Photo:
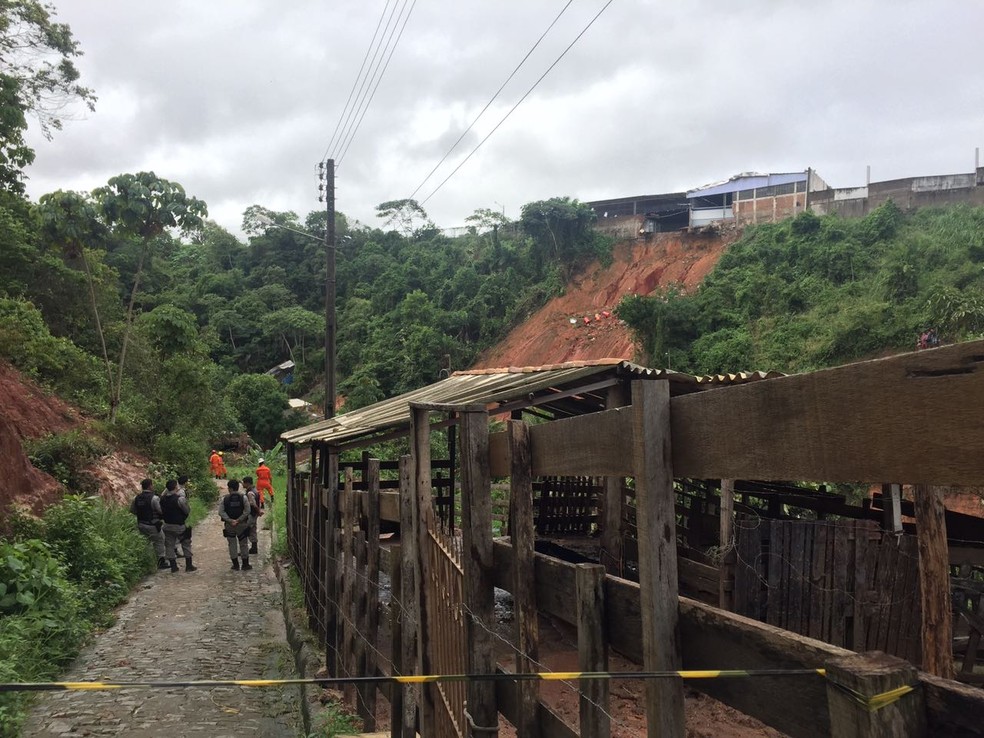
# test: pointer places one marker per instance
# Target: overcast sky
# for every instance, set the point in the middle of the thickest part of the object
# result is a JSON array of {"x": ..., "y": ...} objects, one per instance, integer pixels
[{"x": 238, "y": 99}]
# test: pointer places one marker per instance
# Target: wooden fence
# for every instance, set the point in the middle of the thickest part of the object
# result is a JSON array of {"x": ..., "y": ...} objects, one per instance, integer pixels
[{"x": 835, "y": 440}]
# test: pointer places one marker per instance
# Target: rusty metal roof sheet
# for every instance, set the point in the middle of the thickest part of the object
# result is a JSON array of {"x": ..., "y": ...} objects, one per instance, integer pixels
[{"x": 560, "y": 387}]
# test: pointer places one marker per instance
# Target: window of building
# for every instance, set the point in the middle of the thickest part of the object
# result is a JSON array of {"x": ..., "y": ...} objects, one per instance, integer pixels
[{"x": 785, "y": 189}]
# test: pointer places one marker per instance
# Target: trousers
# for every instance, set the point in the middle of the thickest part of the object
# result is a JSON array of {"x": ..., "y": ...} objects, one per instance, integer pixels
[
  {"x": 174, "y": 534},
  {"x": 153, "y": 535}
]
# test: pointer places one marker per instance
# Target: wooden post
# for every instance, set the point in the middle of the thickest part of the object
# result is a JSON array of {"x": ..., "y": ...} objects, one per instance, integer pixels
[
  {"x": 892, "y": 508},
  {"x": 360, "y": 612},
  {"x": 726, "y": 544},
  {"x": 855, "y": 679},
  {"x": 611, "y": 504},
  {"x": 396, "y": 640},
  {"x": 592, "y": 651},
  {"x": 423, "y": 515},
  {"x": 331, "y": 568},
  {"x": 368, "y": 697},
  {"x": 348, "y": 581},
  {"x": 524, "y": 578},
  {"x": 476, "y": 532},
  {"x": 410, "y": 603},
  {"x": 652, "y": 460},
  {"x": 934, "y": 581}
]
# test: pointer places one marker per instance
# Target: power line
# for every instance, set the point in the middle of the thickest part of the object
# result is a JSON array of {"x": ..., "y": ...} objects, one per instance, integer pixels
[
  {"x": 513, "y": 108},
  {"x": 491, "y": 100},
  {"x": 355, "y": 82},
  {"x": 379, "y": 79}
]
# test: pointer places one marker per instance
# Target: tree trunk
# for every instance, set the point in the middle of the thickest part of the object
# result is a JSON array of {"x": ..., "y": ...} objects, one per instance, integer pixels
[{"x": 114, "y": 404}]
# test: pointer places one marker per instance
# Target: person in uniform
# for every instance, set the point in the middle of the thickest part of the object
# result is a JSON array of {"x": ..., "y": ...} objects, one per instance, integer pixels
[
  {"x": 264, "y": 482},
  {"x": 234, "y": 511},
  {"x": 147, "y": 507},
  {"x": 218, "y": 466},
  {"x": 175, "y": 510},
  {"x": 255, "y": 512}
]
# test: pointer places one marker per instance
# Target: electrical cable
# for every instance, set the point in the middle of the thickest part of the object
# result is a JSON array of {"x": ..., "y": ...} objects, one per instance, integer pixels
[
  {"x": 355, "y": 82},
  {"x": 491, "y": 100},
  {"x": 366, "y": 82},
  {"x": 378, "y": 79},
  {"x": 519, "y": 102}
]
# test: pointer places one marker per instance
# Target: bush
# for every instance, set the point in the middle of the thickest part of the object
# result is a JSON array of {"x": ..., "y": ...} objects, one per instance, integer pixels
[{"x": 65, "y": 456}]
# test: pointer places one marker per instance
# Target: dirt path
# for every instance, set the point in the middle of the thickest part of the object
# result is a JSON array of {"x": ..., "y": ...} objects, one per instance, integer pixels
[{"x": 210, "y": 624}]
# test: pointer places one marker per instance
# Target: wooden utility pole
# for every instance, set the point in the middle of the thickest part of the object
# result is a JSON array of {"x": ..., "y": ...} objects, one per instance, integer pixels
[
  {"x": 934, "y": 581},
  {"x": 330, "y": 391}
]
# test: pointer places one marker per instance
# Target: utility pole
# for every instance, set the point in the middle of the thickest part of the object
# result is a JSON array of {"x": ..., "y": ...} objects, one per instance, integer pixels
[{"x": 328, "y": 172}]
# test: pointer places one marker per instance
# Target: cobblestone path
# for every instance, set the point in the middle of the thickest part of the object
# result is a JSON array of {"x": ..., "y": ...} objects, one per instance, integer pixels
[{"x": 214, "y": 623}]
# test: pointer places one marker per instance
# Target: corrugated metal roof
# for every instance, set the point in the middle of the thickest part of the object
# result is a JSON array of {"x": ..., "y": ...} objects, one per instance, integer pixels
[
  {"x": 746, "y": 182},
  {"x": 530, "y": 385}
]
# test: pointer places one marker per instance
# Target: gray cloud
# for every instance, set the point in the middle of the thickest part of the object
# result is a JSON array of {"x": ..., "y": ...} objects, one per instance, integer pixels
[{"x": 237, "y": 99}]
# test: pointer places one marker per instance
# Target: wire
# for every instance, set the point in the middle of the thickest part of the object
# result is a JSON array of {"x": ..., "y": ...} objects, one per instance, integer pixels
[
  {"x": 360, "y": 94},
  {"x": 520, "y": 101},
  {"x": 355, "y": 82},
  {"x": 378, "y": 79},
  {"x": 491, "y": 100}
]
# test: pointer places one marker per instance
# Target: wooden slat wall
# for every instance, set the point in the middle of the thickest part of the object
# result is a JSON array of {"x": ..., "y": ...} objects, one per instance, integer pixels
[{"x": 841, "y": 582}]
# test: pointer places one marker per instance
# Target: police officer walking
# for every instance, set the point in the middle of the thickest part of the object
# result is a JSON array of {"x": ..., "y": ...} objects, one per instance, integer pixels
[
  {"x": 234, "y": 511},
  {"x": 253, "y": 497},
  {"x": 147, "y": 507},
  {"x": 175, "y": 511}
]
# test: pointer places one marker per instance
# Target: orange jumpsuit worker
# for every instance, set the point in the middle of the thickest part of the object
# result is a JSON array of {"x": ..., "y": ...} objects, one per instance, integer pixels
[
  {"x": 263, "y": 481},
  {"x": 218, "y": 466}
]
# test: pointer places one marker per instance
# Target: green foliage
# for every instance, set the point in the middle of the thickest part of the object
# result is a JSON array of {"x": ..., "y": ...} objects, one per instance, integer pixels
[
  {"x": 65, "y": 456},
  {"x": 815, "y": 291},
  {"x": 561, "y": 230},
  {"x": 334, "y": 720},
  {"x": 260, "y": 404}
]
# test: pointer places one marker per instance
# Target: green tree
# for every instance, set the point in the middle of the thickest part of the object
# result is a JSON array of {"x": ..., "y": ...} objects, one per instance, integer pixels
[
  {"x": 406, "y": 214},
  {"x": 260, "y": 403},
  {"x": 38, "y": 78}
]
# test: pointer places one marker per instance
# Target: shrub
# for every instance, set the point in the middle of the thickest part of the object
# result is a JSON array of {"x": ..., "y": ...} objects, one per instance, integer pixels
[{"x": 65, "y": 456}]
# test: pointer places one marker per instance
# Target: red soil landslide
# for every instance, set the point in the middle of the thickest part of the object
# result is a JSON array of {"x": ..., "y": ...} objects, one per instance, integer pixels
[
  {"x": 640, "y": 266},
  {"x": 27, "y": 412}
]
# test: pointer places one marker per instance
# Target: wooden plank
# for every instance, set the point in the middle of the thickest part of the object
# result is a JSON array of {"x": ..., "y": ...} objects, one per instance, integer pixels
[
  {"x": 847, "y": 424},
  {"x": 368, "y": 693},
  {"x": 476, "y": 532},
  {"x": 592, "y": 444},
  {"x": 892, "y": 507},
  {"x": 550, "y": 724},
  {"x": 360, "y": 616},
  {"x": 860, "y": 586},
  {"x": 953, "y": 709},
  {"x": 348, "y": 584},
  {"x": 499, "y": 464},
  {"x": 776, "y": 566},
  {"x": 934, "y": 581},
  {"x": 818, "y": 583},
  {"x": 524, "y": 588},
  {"x": 797, "y": 573},
  {"x": 411, "y": 587},
  {"x": 652, "y": 459},
  {"x": 726, "y": 542},
  {"x": 592, "y": 650},
  {"x": 423, "y": 516},
  {"x": 395, "y": 569},
  {"x": 839, "y": 585},
  {"x": 331, "y": 554}
]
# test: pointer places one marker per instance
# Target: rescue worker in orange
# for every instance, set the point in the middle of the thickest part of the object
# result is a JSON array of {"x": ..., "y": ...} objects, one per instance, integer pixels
[
  {"x": 264, "y": 482},
  {"x": 218, "y": 466}
]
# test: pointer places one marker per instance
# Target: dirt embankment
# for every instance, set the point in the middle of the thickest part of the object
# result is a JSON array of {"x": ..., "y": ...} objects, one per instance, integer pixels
[
  {"x": 27, "y": 412},
  {"x": 581, "y": 325}
]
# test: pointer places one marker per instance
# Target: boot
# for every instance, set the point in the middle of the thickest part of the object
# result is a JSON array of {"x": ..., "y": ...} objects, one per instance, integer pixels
[
  {"x": 162, "y": 563},
  {"x": 246, "y": 565},
  {"x": 235, "y": 564},
  {"x": 174, "y": 565},
  {"x": 252, "y": 549},
  {"x": 188, "y": 564}
]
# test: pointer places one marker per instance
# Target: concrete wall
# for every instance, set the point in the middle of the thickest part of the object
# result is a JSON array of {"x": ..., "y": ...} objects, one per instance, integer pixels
[
  {"x": 907, "y": 193},
  {"x": 769, "y": 209},
  {"x": 620, "y": 227}
]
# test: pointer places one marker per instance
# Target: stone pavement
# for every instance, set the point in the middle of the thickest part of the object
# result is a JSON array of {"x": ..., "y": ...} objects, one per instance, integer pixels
[{"x": 214, "y": 623}]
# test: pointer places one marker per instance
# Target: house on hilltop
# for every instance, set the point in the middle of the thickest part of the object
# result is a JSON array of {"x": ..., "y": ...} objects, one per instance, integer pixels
[{"x": 751, "y": 197}]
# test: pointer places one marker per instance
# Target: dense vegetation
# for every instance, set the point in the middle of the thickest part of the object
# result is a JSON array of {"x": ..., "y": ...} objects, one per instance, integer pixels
[{"x": 819, "y": 291}]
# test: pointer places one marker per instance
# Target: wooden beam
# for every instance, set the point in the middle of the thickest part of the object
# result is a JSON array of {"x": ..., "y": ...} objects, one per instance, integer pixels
[
  {"x": 422, "y": 514},
  {"x": 653, "y": 470},
  {"x": 589, "y": 445},
  {"x": 934, "y": 582},
  {"x": 892, "y": 508},
  {"x": 592, "y": 651},
  {"x": 476, "y": 534},
  {"x": 368, "y": 693},
  {"x": 331, "y": 552},
  {"x": 864, "y": 676},
  {"x": 395, "y": 570},
  {"x": 524, "y": 587},
  {"x": 499, "y": 461},
  {"x": 848, "y": 424},
  {"x": 410, "y": 604}
]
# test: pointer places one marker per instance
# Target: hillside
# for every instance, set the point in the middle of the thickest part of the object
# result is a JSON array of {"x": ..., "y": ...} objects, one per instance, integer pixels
[{"x": 639, "y": 267}]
